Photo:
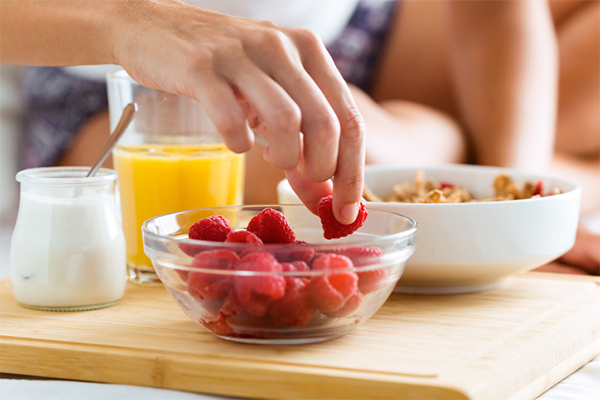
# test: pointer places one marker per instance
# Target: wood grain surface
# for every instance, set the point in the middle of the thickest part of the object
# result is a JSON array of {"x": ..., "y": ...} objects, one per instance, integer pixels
[{"x": 514, "y": 342}]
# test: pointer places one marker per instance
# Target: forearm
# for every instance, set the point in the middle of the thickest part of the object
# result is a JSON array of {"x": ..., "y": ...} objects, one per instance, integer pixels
[
  {"x": 585, "y": 173},
  {"x": 60, "y": 32},
  {"x": 504, "y": 62},
  {"x": 404, "y": 133}
]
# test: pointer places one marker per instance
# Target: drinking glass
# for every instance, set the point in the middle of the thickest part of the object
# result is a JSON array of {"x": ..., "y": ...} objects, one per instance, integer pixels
[{"x": 171, "y": 158}]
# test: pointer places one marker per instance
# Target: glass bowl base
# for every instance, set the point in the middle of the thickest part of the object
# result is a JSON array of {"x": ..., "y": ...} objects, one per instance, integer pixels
[
  {"x": 142, "y": 275},
  {"x": 284, "y": 341}
]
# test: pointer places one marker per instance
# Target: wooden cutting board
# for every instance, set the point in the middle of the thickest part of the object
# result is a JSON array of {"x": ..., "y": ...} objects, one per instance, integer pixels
[{"x": 513, "y": 342}]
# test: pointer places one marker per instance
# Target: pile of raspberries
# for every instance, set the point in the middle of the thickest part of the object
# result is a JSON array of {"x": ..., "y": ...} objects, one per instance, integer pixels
[{"x": 275, "y": 300}]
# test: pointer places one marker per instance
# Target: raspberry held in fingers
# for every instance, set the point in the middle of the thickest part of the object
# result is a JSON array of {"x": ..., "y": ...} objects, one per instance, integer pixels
[{"x": 332, "y": 229}]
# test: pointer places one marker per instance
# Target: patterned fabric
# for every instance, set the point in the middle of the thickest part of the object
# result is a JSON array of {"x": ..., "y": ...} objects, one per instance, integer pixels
[
  {"x": 356, "y": 50},
  {"x": 59, "y": 103}
]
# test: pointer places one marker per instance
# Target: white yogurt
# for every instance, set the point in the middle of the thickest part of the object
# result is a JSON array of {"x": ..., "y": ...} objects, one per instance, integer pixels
[{"x": 68, "y": 251}]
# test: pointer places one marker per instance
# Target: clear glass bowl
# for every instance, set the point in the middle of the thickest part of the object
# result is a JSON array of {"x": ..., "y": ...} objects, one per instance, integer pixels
[{"x": 309, "y": 293}]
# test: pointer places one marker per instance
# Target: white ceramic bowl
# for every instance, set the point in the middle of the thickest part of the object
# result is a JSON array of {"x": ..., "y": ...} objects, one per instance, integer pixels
[{"x": 469, "y": 247}]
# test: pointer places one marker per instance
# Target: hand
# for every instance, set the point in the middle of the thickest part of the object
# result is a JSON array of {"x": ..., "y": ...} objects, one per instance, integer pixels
[
  {"x": 585, "y": 253},
  {"x": 278, "y": 81},
  {"x": 582, "y": 259}
]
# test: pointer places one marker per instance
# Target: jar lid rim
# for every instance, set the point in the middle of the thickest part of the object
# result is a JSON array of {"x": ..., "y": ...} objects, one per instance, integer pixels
[{"x": 65, "y": 176}]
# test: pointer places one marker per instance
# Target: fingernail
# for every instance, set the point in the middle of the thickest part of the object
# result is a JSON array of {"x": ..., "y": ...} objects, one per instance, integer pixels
[{"x": 349, "y": 213}]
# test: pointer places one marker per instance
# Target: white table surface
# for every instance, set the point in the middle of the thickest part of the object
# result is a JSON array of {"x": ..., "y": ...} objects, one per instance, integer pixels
[{"x": 584, "y": 384}]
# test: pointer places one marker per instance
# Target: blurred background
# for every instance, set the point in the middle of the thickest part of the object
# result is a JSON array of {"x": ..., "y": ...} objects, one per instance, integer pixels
[{"x": 11, "y": 123}]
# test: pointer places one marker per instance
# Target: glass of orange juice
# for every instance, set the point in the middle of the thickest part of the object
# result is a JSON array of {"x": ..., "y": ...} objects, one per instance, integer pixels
[{"x": 170, "y": 158}]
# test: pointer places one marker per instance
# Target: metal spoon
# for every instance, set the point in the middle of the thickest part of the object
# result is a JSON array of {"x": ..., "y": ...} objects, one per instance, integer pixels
[{"x": 124, "y": 122}]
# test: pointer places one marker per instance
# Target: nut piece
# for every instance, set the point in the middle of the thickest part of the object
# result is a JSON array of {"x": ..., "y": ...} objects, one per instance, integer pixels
[
  {"x": 368, "y": 195},
  {"x": 435, "y": 196},
  {"x": 504, "y": 187}
]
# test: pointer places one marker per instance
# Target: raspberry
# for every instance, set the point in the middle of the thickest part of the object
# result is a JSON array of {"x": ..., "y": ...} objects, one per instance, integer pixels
[
  {"x": 238, "y": 318},
  {"x": 368, "y": 281},
  {"x": 330, "y": 292},
  {"x": 362, "y": 255},
  {"x": 193, "y": 249},
  {"x": 332, "y": 229},
  {"x": 295, "y": 309},
  {"x": 207, "y": 286},
  {"x": 271, "y": 226},
  {"x": 256, "y": 293},
  {"x": 332, "y": 261},
  {"x": 231, "y": 306},
  {"x": 539, "y": 189},
  {"x": 182, "y": 274},
  {"x": 300, "y": 266},
  {"x": 254, "y": 224},
  {"x": 287, "y": 267},
  {"x": 293, "y": 267},
  {"x": 218, "y": 326},
  {"x": 190, "y": 249},
  {"x": 297, "y": 252},
  {"x": 348, "y": 308},
  {"x": 243, "y": 237},
  {"x": 214, "y": 228}
]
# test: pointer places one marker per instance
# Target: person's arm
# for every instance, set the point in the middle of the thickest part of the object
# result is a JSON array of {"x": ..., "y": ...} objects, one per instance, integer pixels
[
  {"x": 280, "y": 81},
  {"x": 406, "y": 133},
  {"x": 59, "y": 33},
  {"x": 504, "y": 64}
]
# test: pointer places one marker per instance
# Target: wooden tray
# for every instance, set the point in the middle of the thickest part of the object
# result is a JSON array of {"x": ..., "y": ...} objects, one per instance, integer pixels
[{"x": 512, "y": 343}]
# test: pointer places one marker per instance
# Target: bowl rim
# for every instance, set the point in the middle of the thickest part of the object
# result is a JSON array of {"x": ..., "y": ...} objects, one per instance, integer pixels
[
  {"x": 370, "y": 242},
  {"x": 233, "y": 245},
  {"x": 65, "y": 176},
  {"x": 575, "y": 191}
]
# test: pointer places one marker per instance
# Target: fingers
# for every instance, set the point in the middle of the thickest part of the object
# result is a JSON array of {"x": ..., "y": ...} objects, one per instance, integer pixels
[
  {"x": 279, "y": 115},
  {"x": 348, "y": 177},
  {"x": 559, "y": 268},
  {"x": 308, "y": 191},
  {"x": 320, "y": 126},
  {"x": 291, "y": 86},
  {"x": 585, "y": 253},
  {"x": 221, "y": 106}
]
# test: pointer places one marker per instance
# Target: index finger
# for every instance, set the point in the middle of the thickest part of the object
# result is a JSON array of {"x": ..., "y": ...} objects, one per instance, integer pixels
[
  {"x": 308, "y": 191},
  {"x": 349, "y": 174}
]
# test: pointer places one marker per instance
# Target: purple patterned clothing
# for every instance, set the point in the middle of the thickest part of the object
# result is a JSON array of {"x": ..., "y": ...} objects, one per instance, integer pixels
[
  {"x": 357, "y": 49},
  {"x": 59, "y": 103}
]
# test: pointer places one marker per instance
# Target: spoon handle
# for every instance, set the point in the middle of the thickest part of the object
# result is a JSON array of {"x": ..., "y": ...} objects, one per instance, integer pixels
[{"x": 124, "y": 122}]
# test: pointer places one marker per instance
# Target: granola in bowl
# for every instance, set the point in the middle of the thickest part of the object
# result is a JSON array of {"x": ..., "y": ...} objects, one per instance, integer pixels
[{"x": 427, "y": 190}]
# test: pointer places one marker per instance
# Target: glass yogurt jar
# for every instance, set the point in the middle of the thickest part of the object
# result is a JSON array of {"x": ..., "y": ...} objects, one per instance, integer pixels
[{"x": 68, "y": 247}]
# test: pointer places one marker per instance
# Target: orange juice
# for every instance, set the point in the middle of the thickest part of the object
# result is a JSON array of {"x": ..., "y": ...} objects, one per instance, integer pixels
[{"x": 160, "y": 179}]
